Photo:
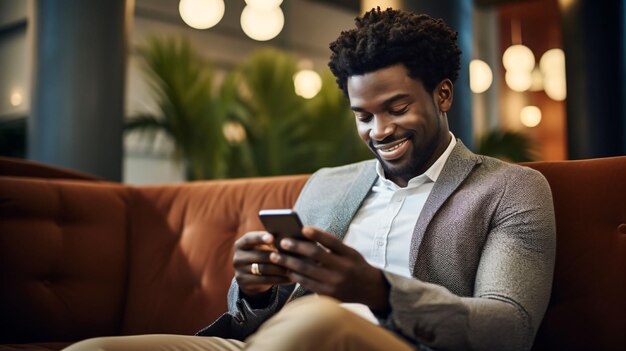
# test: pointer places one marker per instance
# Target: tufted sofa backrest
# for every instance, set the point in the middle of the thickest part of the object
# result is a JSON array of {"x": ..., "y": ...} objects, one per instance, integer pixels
[
  {"x": 82, "y": 258},
  {"x": 181, "y": 242},
  {"x": 64, "y": 253}
]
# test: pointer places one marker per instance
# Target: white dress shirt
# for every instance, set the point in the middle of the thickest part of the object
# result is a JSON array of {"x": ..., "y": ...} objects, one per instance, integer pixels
[{"x": 383, "y": 226}]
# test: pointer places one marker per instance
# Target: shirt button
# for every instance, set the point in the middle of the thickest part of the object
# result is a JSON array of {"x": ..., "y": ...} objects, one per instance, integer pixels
[{"x": 379, "y": 243}]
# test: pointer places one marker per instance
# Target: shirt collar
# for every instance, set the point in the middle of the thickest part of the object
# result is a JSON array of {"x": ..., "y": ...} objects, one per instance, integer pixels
[{"x": 432, "y": 173}]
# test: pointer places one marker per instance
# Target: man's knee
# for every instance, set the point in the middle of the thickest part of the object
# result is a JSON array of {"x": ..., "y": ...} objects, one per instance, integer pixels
[
  {"x": 318, "y": 310},
  {"x": 321, "y": 323},
  {"x": 151, "y": 342},
  {"x": 95, "y": 344},
  {"x": 311, "y": 315}
]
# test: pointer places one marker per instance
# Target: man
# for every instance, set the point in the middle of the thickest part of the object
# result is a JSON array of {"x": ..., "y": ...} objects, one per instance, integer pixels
[{"x": 428, "y": 246}]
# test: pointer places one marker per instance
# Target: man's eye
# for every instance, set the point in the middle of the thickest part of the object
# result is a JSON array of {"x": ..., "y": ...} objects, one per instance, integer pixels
[
  {"x": 399, "y": 111},
  {"x": 363, "y": 117}
]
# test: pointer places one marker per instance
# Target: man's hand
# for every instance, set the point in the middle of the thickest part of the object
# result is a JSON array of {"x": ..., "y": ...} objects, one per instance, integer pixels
[
  {"x": 255, "y": 247},
  {"x": 333, "y": 269}
]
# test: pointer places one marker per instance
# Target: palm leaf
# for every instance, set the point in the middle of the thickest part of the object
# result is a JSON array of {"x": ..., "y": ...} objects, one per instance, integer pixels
[
  {"x": 182, "y": 83},
  {"x": 267, "y": 78},
  {"x": 287, "y": 133}
]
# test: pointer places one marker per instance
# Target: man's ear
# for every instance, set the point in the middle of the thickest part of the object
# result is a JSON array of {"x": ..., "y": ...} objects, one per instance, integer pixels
[{"x": 444, "y": 94}]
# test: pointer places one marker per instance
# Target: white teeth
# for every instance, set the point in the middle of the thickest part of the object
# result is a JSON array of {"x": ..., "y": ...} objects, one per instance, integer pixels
[{"x": 393, "y": 147}]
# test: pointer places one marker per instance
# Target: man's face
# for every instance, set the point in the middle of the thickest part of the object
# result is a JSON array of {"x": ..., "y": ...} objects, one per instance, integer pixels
[{"x": 403, "y": 124}]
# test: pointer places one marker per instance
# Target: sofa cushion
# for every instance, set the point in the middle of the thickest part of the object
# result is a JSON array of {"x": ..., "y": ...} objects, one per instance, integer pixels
[
  {"x": 181, "y": 247},
  {"x": 63, "y": 258}
]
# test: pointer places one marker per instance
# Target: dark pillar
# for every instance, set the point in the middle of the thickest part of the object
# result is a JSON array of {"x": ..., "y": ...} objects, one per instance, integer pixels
[
  {"x": 595, "y": 60},
  {"x": 458, "y": 15},
  {"x": 79, "y": 62}
]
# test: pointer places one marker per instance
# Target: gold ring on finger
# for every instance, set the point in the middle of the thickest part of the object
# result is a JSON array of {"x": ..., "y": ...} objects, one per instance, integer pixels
[{"x": 254, "y": 269}]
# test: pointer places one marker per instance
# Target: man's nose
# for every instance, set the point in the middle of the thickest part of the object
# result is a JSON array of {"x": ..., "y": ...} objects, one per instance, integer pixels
[{"x": 381, "y": 129}]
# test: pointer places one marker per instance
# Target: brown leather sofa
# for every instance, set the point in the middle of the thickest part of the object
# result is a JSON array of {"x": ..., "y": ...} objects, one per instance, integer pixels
[{"x": 80, "y": 257}]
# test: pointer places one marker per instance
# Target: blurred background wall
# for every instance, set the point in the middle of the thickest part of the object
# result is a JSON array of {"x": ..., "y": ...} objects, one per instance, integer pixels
[{"x": 72, "y": 72}]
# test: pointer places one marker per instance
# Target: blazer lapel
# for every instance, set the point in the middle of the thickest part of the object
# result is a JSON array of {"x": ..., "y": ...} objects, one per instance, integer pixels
[
  {"x": 458, "y": 166},
  {"x": 352, "y": 199}
]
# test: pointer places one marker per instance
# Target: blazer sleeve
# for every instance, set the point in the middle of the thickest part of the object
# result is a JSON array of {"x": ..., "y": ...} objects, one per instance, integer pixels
[
  {"x": 249, "y": 319},
  {"x": 513, "y": 280}
]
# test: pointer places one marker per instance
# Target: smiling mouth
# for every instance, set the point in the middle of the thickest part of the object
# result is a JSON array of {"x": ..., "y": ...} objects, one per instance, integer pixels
[
  {"x": 393, "y": 150},
  {"x": 392, "y": 146},
  {"x": 395, "y": 147}
]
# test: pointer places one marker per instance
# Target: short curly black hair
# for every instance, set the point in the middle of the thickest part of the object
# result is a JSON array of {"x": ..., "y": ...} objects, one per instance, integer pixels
[{"x": 426, "y": 46}]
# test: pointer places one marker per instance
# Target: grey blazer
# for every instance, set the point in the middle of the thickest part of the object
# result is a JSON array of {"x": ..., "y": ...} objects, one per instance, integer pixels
[{"x": 482, "y": 254}]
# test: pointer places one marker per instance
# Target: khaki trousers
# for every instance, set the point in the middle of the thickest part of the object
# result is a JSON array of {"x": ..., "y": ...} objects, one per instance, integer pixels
[{"x": 309, "y": 323}]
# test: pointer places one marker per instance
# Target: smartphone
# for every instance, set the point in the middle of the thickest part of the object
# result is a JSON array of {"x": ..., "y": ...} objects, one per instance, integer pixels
[{"x": 282, "y": 223}]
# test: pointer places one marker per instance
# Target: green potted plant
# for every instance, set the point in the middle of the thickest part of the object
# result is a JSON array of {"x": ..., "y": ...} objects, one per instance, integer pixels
[
  {"x": 192, "y": 106},
  {"x": 252, "y": 123}
]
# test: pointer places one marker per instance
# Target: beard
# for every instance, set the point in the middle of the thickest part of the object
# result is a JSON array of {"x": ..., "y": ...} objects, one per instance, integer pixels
[{"x": 417, "y": 160}]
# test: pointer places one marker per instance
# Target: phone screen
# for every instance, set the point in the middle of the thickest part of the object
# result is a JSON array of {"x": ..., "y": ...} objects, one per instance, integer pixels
[{"x": 282, "y": 223}]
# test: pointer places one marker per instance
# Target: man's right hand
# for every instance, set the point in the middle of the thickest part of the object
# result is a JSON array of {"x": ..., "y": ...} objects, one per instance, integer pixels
[{"x": 255, "y": 247}]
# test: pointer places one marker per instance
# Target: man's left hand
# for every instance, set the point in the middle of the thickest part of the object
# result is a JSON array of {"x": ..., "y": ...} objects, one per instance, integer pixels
[{"x": 333, "y": 269}]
